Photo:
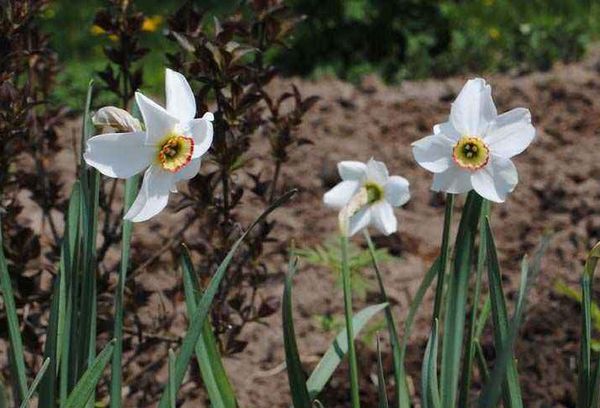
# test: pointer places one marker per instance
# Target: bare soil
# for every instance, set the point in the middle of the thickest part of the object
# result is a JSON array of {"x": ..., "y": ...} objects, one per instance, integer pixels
[{"x": 558, "y": 191}]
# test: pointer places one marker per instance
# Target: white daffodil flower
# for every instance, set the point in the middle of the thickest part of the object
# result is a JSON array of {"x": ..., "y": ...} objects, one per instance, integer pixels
[
  {"x": 169, "y": 150},
  {"x": 366, "y": 196},
  {"x": 473, "y": 149}
]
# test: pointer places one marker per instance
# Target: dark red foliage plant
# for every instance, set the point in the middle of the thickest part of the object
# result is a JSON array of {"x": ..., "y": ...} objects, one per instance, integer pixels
[
  {"x": 28, "y": 131},
  {"x": 226, "y": 61}
]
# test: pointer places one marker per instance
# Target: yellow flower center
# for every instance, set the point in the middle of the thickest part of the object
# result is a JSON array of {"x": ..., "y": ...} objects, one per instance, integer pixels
[
  {"x": 374, "y": 192},
  {"x": 175, "y": 152},
  {"x": 470, "y": 153}
]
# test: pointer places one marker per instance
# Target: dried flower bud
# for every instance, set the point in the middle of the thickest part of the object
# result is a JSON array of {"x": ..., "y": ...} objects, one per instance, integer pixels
[
  {"x": 357, "y": 203},
  {"x": 113, "y": 119}
]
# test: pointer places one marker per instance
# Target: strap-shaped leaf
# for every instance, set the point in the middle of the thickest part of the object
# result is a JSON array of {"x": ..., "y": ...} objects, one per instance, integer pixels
[
  {"x": 296, "y": 377},
  {"x": 197, "y": 322}
]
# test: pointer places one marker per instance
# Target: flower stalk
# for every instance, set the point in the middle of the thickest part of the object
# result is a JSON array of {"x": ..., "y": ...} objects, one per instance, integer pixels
[{"x": 347, "y": 288}]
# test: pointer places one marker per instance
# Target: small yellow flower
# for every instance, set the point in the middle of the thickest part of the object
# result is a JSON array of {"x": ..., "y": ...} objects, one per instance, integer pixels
[
  {"x": 113, "y": 37},
  {"x": 151, "y": 24},
  {"x": 97, "y": 30},
  {"x": 494, "y": 33}
]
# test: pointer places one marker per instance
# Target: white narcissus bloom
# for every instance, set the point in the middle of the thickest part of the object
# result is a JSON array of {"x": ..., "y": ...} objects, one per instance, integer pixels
[
  {"x": 366, "y": 196},
  {"x": 473, "y": 149},
  {"x": 169, "y": 150}
]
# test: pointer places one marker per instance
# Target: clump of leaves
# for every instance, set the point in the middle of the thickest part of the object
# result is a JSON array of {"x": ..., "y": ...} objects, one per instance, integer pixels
[
  {"x": 28, "y": 126},
  {"x": 328, "y": 255},
  {"x": 226, "y": 60}
]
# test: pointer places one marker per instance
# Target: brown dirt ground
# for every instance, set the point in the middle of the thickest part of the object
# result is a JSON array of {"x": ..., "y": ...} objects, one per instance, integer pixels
[{"x": 558, "y": 191}]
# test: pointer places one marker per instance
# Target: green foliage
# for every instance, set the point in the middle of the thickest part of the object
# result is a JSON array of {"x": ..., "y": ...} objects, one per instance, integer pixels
[
  {"x": 328, "y": 255},
  {"x": 420, "y": 38}
]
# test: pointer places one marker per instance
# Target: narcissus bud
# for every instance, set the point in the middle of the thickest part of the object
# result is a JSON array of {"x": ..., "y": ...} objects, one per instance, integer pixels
[{"x": 111, "y": 119}]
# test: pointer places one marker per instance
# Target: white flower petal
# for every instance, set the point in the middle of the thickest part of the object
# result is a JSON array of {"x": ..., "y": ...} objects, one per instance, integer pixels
[
  {"x": 119, "y": 155},
  {"x": 433, "y": 153},
  {"x": 495, "y": 180},
  {"x": 377, "y": 172},
  {"x": 339, "y": 195},
  {"x": 510, "y": 133},
  {"x": 352, "y": 170},
  {"x": 189, "y": 170},
  {"x": 396, "y": 191},
  {"x": 446, "y": 129},
  {"x": 153, "y": 196},
  {"x": 180, "y": 98},
  {"x": 157, "y": 120},
  {"x": 202, "y": 133},
  {"x": 473, "y": 108},
  {"x": 454, "y": 181},
  {"x": 383, "y": 218},
  {"x": 359, "y": 221}
]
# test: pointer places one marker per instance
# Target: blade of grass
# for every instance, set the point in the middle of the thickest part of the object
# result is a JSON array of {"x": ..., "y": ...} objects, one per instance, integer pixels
[
  {"x": 296, "y": 377},
  {"x": 84, "y": 389},
  {"x": 209, "y": 360},
  {"x": 467, "y": 370},
  {"x": 391, "y": 325},
  {"x": 172, "y": 391},
  {"x": 116, "y": 379},
  {"x": 381, "y": 391},
  {"x": 35, "y": 383},
  {"x": 511, "y": 390},
  {"x": 347, "y": 288},
  {"x": 16, "y": 343},
  {"x": 196, "y": 324},
  {"x": 453, "y": 337},
  {"x": 429, "y": 379},
  {"x": 338, "y": 349}
]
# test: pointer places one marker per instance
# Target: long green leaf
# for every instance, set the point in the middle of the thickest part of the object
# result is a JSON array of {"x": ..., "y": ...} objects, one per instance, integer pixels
[
  {"x": 510, "y": 389},
  {"x": 381, "y": 391},
  {"x": 492, "y": 389},
  {"x": 410, "y": 319},
  {"x": 172, "y": 392},
  {"x": 35, "y": 383},
  {"x": 338, "y": 349},
  {"x": 16, "y": 343},
  {"x": 587, "y": 387},
  {"x": 391, "y": 325},
  {"x": 467, "y": 370},
  {"x": 47, "y": 394},
  {"x": 116, "y": 379},
  {"x": 209, "y": 360},
  {"x": 84, "y": 389},
  {"x": 429, "y": 379},
  {"x": 444, "y": 256},
  {"x": 195, "y": 329},
  {"x": 453, "y": 337},
  {"x": 296, "y": 377},
  {"x": 347, "y": 288}
]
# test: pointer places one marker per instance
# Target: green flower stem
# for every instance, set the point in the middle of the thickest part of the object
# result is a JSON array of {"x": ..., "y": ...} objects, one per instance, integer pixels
[
  {"x": 444, "y": 255},
  {"x": 354, "y": 390}
]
